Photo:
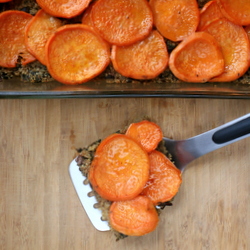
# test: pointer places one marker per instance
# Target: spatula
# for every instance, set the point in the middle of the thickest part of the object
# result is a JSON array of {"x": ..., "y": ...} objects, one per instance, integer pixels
[{"x": 183, "y": 152}]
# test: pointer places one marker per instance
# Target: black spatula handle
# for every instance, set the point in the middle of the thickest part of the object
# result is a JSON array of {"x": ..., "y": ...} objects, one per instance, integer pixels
[{"x": 232, "y": 132}]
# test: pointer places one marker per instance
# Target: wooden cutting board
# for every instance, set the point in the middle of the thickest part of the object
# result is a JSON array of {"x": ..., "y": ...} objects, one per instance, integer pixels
[{"x": 38, "y": 204}]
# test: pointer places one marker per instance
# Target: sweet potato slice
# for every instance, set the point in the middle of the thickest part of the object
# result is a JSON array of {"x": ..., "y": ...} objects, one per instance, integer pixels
[
  {"x": 122, "y": 22},
  {"x": 234, "y": 44},
  {"x": 247, "y": 29},
  {"x": 175, "y": 19},
  {"x": 75, "y": 53},
  {"x": 209, "y": 13},
  {"x": 135, "y": 217},
  {"x": 87, "y": 16},
  {"x": 37, "y": 33},
  {"x": 198, "y": 58},
  {"x": 148, "y": 134},
  {"x": 237, "y": 12},
  {"x": 120, "y": 168},
  {"x": 63, "y": 8},
  {"x": 5, "y": 1},
  {"x": 164, "y": 179},
  {"x": 142, "y": 60},
  {"x": 87, "y": 19},
  {"x": 12, "y": 38}
]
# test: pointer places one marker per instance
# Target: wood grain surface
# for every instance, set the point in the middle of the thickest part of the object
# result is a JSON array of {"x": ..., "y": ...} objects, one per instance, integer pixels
[{"x": 39, "y": 208}]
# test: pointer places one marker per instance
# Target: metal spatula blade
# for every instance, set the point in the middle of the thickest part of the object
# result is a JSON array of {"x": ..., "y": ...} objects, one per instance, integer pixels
[
  {"x": 182, "y": 151},
  {"x": 82, "y": 191}
]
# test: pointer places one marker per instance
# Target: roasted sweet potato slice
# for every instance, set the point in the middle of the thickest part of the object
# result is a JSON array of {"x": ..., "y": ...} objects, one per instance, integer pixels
[
  {"x": 87, "y": 16},
  {"x": 247, "y": 29},
  {"x": 175, "y": 19},
  {"x": 120, "y": 168},
  {"x": 87, "y": 19},
  {"x": 37, "y": 33},
  {"x": 147, "y": 133},
  {"x": 198, "y": 58},
  {"x": 12, "y": 38},
  {"x": 134, "y": 217},
  {"x": 234, "y": 44},
  {"x": 75, "y": 53},
  {"x": 209, "y": 13},
  {"x": 63, "y": 8},
  {"x": 145, "y": 59},
  {"x": 122, "y": 22},
  {"x": 164, "y": 179},
  {"x": 5, "y": 1},
  {"x": 237, "y": 12}
]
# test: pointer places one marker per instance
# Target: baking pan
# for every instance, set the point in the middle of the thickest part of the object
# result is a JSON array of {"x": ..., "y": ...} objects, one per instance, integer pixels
[
  {"x": 15, "y": 88},
  {"x": 110, "y": 84}
]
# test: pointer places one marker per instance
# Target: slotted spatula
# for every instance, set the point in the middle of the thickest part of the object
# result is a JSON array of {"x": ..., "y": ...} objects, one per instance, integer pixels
[{"x": 183, "y": 152}]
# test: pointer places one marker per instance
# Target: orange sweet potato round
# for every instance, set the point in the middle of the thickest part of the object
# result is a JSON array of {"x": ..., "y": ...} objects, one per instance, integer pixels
[
  {"x": 12, "y": 38},
  {"x": 164, "y": 178},
  {"x": 144, "y": 59},
  {"x": 122, "y": 22},
  {"x": 175, "y": 19},
  {"x": 198, "y": 58},
  {"x": 134, "y": 217},
  {"x": 209, "y": 13},
  {"x": 235, "y": 47},
  {"x": 75, "y": 53},
  {"x": 237, "y": 12},
  {"x": 38, "y": 31},
  {"x": 63, "y": 8},
  {"x": 120, "y": 168},
  {"x": 148, "y": 134}
]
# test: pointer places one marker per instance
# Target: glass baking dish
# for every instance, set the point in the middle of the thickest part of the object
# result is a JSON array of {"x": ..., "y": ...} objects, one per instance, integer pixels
[
  {"x": 111, "y": 85},
  {"x": 14, "y": 88}
]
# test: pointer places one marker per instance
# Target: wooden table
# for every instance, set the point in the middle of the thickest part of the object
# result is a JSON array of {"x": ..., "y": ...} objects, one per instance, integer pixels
[{"x": 39, "y": 207}]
